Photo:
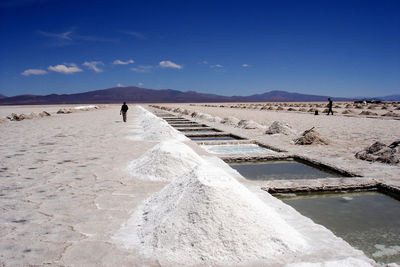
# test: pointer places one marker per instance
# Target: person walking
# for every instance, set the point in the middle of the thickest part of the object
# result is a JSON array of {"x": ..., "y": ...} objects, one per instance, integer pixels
[
  {"x": 124, "y": 110},
  {"x": 330, "y": 104}
]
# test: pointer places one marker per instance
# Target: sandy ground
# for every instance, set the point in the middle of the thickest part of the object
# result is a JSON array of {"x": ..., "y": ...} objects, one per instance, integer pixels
[{"x": 64, "y": 190}]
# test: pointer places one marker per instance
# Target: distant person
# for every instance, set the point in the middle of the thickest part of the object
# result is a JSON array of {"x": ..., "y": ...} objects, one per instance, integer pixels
[
  {"x": 124, "y": 110},
  {"x": 330, "y": 104}
]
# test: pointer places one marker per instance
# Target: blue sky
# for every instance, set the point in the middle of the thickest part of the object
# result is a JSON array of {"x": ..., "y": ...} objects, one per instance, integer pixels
[{"x": 339, "y": 48}]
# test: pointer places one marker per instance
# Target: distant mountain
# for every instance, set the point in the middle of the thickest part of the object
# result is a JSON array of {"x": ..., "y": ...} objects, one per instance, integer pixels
[
  {"x": 389, "y": 98},
  {"x": 115, "y": 95},
  {"x": 142, "y": 95},
  {"x": 283, "y": 96},
  {"x": 2, "y": 96}
]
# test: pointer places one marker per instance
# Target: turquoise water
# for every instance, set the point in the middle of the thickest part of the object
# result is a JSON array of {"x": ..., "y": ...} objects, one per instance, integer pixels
[
  {"x": 369, "y": 221},
  {"x": 212, "y": 138},
  {"x": 236, "y": 149}
]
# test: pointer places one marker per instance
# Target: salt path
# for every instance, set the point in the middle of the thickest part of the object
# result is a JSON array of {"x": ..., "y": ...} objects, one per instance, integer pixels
[{"x": 66, "y": 195}]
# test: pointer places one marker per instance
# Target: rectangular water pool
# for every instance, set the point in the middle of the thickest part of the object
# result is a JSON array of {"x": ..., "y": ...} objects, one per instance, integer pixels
[
  {"x": 369, "y": 221},
  {"x": 241, "y": 149},
  {"x": 188, "y": 125},
  {"x": 199, "y": 129},
  {"x": 182, "y": 122},
  {"x": 288, "y": 169},
  {"x": 177, "y": 120},
  {"x": 212, "y": 137}
]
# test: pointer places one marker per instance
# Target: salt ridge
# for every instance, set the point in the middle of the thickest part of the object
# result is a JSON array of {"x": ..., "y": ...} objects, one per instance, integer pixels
[
  {"x": 149, "y": 127},
  {"x": 164, "y": 162},
  {"x": 208, "y": 217}
]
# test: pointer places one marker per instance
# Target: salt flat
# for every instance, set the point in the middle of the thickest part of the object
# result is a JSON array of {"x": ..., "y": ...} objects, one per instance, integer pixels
[
  {"x": 346, "y": 134},
  {"x": 66, "y": 192}
]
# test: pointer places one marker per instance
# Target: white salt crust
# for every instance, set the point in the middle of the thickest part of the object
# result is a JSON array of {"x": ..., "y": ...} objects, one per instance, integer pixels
[
  {"x": 164, "y": 162},
  {"x": 208, "y": 217},
  {"x": 148, "y": 127}
]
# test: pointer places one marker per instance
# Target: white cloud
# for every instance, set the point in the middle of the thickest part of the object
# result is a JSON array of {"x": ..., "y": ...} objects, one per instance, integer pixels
[
  {"x": 216, "y": 66},
  {"x": 33, "y": 72},
  {"x": 205, "y": 62},
  {"x": 142, "y": 68},
  {"x": 64, "y": 35},
  {"x": 140, "y": 84},
  {"x": 245, "y": 65},
  {"x": 138, "y": 35},
  {"x": 120, "y": 85},
  {"x": 120, "y": 62},
  {"x": 93, "y": 65},
  {"x": 70, "y": 36},
  {"x": 170, "y": 64},
  {"x": 66, "y": 69}
]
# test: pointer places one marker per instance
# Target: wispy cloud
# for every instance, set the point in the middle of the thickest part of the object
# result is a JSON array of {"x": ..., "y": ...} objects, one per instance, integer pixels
[
  {"x": 245, "y": 65},
  {"x": 205, "y": 62},
  {"x": 140, "y": 84},
  {"x": 71, "y": 37},
  {"x": 169, "y": 64},
  {"x": 120, "y": 85},
  {"x": 93, "y": 65},
  {"x": 120, "y": 62},
  {"x": 65, "y": 69},
  {"x": 217, "y": 68},
  {"x": 33, "y": 72},
  {"x": 142, "y": 68},
  {"x": 135, "y": 34},
  {"x": 62, "y": 36}
]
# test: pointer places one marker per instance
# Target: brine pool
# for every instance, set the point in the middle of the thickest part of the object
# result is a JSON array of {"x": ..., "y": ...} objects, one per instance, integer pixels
[
  {"x": 369, "y": 221},
  {"x": 213, "y": 138},
  {"x": 287, "y": 169},
  {"x": 244, "y": 149}
]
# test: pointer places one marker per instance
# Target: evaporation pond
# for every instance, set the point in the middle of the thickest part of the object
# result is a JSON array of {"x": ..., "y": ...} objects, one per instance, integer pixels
[
  {"x": 280, "y": 170},
  {"x": 244, "y": 149},
  {"x": 212, "y": 138},
  {"x": 369, "y": 221}
]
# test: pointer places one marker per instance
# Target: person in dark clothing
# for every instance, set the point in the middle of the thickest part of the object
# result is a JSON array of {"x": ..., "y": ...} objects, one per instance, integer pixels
[
  {"x": 124, "y": 110},
  {"x": 330, "y": 104}
]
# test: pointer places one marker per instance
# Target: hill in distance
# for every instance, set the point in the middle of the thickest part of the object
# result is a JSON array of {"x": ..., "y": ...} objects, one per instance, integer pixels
[{"x": 142, "y": 95}]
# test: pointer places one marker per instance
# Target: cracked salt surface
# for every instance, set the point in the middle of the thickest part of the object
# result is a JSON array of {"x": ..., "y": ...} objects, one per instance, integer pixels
[{"x": 49, "y": 214}]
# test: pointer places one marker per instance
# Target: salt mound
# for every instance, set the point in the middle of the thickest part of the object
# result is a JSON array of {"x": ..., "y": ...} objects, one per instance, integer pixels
[
  {"x": 249, "y": 124},
  {"x": 348, "y": 111},
  {"x": 310, "y": 137},
  {"x": 149, "y": 127},
  {"x": 64, "y": 111},
  {"x": 164, "y": 162},
  {"x": 230, "y": 120},
  {"x": 206, "y": 217},
  {"x": 278, "y": 127},
  {"x": 380, "y": 152},
  {"x": 204, "y": 116},
  {"x": 368, "y": 113},
  {"x": 44, "y": 114},
  {"x": 391, "y": 114}
]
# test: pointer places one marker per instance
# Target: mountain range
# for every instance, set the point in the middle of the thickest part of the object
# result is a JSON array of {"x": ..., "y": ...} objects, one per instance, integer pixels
[{"x": 142, "y": 95}]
